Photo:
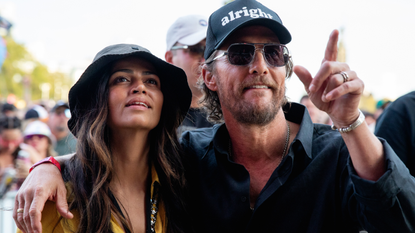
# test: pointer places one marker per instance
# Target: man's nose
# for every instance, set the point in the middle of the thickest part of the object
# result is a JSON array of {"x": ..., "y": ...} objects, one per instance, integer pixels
[{"x": 258, "y": 65}]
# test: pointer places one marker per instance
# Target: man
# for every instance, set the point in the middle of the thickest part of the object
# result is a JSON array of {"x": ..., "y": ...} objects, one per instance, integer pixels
[
  {"x": 186, "y": 42},
  {"x": 268, "y": 168},
  {"x": 397, "y": 126},
  {"x": 58, "y": 124}
]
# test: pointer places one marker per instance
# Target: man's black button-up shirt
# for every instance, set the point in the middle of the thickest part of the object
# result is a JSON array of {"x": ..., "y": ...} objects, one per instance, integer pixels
[{"x": 315, "y": 188}]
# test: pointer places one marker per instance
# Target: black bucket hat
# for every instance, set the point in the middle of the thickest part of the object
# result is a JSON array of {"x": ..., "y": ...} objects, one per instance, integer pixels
[
  {"x": 174, "y": 84},
  {"x": 241, "y": 13}
]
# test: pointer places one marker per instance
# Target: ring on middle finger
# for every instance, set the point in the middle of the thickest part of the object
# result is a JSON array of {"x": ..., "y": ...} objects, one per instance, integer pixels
[{"x": 345, "y": 76}]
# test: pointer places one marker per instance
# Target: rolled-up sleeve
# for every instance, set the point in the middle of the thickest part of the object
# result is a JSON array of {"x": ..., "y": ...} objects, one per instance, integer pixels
[{"x": 388, "y": 204}]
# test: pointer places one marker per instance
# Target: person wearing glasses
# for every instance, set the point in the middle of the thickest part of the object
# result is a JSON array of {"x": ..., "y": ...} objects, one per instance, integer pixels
[
  {"x": 267, "y": 167},
  {"x": 38, "y": 141},
  {"x": 186, "y": 42},
  {"x": 59, "y": 116}
]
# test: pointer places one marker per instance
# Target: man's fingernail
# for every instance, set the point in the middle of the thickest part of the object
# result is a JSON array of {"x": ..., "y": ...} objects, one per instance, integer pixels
[{"x": 311, "y": 88}]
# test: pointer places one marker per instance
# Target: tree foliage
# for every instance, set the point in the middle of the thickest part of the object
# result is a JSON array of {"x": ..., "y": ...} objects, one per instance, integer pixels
[{"x": 22, "y": 75}]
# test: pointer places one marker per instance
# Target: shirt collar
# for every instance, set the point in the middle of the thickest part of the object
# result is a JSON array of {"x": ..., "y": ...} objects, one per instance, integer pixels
[{"x": 294, "y": 112}]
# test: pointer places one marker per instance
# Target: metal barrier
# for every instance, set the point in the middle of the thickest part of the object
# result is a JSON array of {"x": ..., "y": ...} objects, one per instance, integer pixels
[{"x": 7, "y": 224}]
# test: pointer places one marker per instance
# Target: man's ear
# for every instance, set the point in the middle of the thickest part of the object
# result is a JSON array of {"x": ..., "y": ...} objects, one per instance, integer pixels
[
  {"x": 169, "y": 56},
  {"x": 209, "y": 78}
]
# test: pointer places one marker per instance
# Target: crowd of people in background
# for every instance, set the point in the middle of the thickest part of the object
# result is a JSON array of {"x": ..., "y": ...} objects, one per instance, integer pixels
[{"x": 28, "y": 136}]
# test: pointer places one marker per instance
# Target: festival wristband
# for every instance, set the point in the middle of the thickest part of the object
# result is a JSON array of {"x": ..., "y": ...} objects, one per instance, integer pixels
[{"x": 46, "y": 160}]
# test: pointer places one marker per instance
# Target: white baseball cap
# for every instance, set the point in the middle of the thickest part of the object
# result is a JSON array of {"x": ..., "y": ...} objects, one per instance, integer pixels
[{"x": 187, "y": 30}]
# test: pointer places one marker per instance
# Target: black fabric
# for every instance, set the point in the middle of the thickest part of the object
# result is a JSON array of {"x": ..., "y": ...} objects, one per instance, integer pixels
[
  {"x": 115, "y": 202},
  {"x": 315, "y": 189},
  {"x": 195, "y": 119},
  {"x": 397, "y": 126},
  {"x": 237, "y": 14}
]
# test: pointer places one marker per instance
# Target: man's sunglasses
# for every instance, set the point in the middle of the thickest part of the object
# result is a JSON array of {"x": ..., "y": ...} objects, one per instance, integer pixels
[
  {"x": 197, "y": 50},
  {"x": 242, "y": 54}
]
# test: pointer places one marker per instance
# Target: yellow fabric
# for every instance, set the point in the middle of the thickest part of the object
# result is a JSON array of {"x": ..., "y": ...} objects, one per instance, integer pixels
[{"x": 52, "y": 222}]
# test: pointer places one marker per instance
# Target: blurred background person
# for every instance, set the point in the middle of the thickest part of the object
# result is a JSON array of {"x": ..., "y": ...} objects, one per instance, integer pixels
[
  {"x": 13, "y": 169},
  {"x": 370, "y": 120},
  {"x": 397, "y": 126},
  {"x": 10, "y": 138},
  {"x": 381, "y": 105},
  {"x": 58, "y": 124},
  {"x": 8, "y": 110},
  {"x": 186, "y": 42},
  {"x": 35, "y": 113},
  {"x": 38, "y": 141},
  {"x": 317, "y": 116}
]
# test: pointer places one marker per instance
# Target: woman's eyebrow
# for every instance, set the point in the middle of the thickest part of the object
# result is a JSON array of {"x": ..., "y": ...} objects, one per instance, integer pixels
[{"x": 122, "y": 70}]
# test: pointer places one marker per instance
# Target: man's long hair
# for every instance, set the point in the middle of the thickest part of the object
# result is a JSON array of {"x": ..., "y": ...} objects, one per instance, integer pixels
[
  {"x": 210, "y": 99},
  {"x": 91, "y": 170}
]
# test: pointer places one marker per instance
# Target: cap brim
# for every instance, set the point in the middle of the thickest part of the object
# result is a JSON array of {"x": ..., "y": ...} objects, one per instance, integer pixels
[{"x": 193, "y": 38}]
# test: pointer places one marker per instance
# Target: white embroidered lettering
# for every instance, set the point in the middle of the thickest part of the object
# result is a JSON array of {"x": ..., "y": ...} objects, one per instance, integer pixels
[
  {"x": 262, "y": 14},
  {"x": 253, "y": 13},
  {"x": 231, "y": 15},
  {"x": 237, "y": 14},
  {"x": 225, "y": 21},
  {"x": 245, "y": 11}
]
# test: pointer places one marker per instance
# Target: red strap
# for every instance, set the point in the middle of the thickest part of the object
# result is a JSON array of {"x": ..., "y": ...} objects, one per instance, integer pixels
[{"x": 47, "y": 160}]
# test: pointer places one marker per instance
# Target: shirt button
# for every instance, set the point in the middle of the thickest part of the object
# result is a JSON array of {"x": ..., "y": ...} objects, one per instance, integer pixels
[{"x": 243, "y": 199}]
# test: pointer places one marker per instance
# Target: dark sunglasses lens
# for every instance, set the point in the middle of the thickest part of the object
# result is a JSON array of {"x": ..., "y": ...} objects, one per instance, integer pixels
[
  {"x": 197, "y": 50},
  {"x": 241, "y": 54},
  {"x": 275, "y": 54}
]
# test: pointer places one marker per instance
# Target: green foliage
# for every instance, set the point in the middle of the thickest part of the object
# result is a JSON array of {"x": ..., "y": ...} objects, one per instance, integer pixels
[
  {"x": 22, "y": 75},
  {"x": 227, "y": 1}
]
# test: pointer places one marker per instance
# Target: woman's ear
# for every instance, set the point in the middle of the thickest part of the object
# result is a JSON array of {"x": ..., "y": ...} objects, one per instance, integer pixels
[{"x": 209, "y": 78}]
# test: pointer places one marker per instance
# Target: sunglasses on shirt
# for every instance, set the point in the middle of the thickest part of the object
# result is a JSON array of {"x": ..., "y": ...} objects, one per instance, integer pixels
[
  {"x": 242, "y": 54},
  {"x": 196, "y": 50}
]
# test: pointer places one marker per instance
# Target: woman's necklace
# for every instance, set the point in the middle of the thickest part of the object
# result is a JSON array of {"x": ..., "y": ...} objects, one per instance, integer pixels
[{"x": 154, "y": 207}]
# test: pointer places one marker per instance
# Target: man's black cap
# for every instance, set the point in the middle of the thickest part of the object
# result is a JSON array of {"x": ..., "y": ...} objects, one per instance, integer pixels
[
  {"x": 59, "y": 104},
  {"x": 237, "y": 14}
]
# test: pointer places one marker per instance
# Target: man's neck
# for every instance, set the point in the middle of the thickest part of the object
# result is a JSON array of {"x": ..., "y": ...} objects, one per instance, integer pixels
[{"x": 257, "y": 143}]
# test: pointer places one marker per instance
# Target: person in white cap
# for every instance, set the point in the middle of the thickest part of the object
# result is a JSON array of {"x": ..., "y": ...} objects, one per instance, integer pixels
[
  {"x": 38, "y": 141},
  {"x": 186, "y": 42}
]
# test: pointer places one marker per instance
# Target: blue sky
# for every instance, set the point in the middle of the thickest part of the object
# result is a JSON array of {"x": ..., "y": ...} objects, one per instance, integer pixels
[{"x": 379, "y": 35}]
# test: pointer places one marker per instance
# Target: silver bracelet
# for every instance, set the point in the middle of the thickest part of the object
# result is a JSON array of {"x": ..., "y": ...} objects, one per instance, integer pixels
[{"x": 353, "y": 126}]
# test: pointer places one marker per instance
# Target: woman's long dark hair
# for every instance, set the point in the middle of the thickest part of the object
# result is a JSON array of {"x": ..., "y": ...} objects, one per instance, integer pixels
[{"x": 90, "y": 171}]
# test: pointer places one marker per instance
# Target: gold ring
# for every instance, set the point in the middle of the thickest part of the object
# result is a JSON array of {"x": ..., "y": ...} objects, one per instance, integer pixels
[
  {"x": 345, "y": 76},
  {"x": 20, "y": 210}
]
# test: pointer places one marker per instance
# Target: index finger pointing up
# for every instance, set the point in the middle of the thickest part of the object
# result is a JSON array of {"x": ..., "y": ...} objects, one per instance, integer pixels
[{"x": 331, "y": 49}]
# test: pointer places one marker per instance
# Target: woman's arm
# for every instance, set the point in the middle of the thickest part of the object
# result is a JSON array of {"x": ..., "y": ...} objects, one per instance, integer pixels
[{"x": 43, "y": 183}]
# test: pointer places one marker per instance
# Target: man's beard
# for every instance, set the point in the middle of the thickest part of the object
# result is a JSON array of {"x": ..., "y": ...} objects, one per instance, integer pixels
[{"x": 248, "y": 113}]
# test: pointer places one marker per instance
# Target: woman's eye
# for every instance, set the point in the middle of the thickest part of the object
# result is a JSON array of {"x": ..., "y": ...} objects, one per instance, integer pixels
[
  {"x": 152, "y": 81},
  {"x": 120, "y": 80}
]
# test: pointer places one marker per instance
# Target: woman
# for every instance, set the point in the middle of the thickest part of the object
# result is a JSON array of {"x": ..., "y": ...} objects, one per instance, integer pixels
[
  {"x": 39, "y": 141},
  {"x": 127, "y": 174},
  {"x": 10, "y": 167}
]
